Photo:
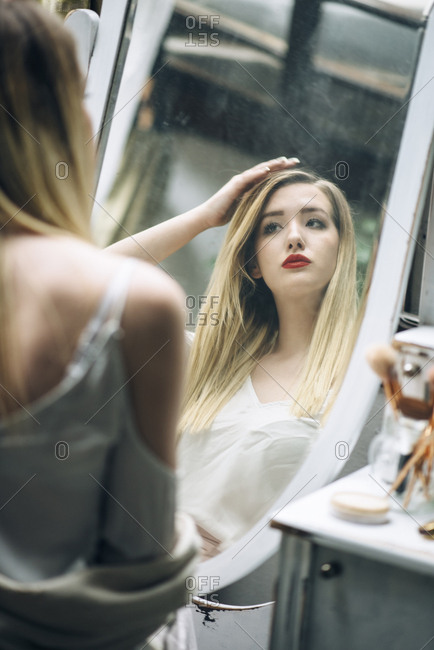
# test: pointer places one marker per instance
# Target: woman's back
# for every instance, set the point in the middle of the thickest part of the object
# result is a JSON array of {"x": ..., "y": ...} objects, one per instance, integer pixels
[
  {"x": 75, "y": 469},
  {"x": 91, "y": 357}
]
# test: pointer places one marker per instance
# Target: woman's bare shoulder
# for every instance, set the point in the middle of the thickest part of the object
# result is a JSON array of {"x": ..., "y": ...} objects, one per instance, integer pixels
[
  {"x": 66, "y": 263},
  {"x": 57, "y": 284},
  {"x": 73, "y": 276}
]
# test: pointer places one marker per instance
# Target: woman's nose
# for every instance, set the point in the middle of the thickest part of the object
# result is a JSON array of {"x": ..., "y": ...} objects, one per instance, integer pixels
[{"x": 294, "y": 238}]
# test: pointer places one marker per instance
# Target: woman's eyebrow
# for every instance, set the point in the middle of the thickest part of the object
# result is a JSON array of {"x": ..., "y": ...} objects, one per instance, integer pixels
[
  {"x": 312, "y": 208},
  {"x": 307, "y": 208},
  {"x": 272, "y": 213}
]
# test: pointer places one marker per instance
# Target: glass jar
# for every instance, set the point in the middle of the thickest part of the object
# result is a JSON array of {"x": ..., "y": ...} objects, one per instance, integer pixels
[{"x": 390, "y": 450}]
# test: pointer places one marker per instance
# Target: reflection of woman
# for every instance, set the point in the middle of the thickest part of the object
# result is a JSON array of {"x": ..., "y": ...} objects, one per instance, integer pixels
[
  {"x": 270, "y": 347},
  {"x": 91, "y": 345}
]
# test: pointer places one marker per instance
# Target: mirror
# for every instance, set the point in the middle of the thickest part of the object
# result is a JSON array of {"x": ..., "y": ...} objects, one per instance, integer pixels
[
  {"x": 234, "y": 83},
  {"x": 239, "y": 82}
]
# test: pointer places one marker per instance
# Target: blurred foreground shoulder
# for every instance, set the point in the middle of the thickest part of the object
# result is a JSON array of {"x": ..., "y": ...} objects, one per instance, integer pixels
[
  {"x": 155, "y": 301},
  {"x": 153, "y": 323}
]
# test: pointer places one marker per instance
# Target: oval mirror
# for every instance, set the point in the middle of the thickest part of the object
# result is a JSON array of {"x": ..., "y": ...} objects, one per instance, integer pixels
[{"x": 210, "y": 88}]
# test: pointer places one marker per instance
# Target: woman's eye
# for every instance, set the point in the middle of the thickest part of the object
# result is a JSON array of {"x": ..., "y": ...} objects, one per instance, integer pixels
[
  {"x": 315, "y": 223},
  {"x": 271, "y": 228}
]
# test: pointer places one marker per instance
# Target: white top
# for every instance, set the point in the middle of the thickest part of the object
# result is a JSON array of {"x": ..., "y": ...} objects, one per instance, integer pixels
[
  {"x": 231, "y": 474},
  {"x": 78, "y": 484}
]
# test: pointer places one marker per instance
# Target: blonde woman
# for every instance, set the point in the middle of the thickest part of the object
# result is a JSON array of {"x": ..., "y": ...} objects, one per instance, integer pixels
[
  {"x": 91, "y": 347},
  {"x": 271, "y": 345}
]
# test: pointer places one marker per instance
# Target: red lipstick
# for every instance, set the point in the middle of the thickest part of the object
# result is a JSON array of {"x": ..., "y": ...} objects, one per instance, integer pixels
[{"x": 295, "y": 261}]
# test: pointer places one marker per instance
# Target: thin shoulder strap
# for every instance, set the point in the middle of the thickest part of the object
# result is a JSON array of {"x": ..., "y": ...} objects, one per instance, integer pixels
[
  {"x": 111, "y": 306},
  {"x": 113, "y": 302}
]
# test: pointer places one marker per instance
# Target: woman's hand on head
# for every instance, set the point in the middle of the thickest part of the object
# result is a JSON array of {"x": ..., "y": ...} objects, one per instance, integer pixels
[
  {"x": 221, "y": 206},
  {"x": 159, "y": 242}
]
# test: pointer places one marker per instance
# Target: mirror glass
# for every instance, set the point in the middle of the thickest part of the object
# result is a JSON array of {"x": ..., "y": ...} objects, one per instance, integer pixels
[{"x": 238, "y": 82}]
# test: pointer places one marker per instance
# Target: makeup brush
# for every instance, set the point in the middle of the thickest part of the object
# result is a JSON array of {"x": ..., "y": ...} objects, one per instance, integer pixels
[
  {"x": 430, "y": 427},
  {"x": 382, "y": 359},
  {"x": 423, "y": 451}
]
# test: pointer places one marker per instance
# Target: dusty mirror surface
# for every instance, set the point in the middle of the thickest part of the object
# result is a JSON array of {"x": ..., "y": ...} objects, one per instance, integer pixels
[
  {"x": 240, "y": 82},
  {"x": 235, "y": 83}
]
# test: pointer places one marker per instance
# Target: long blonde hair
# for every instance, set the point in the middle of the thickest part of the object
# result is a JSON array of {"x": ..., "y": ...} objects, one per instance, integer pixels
[
  {"x": 239, "y": 323},
  {"x": 46, "y": 168}
]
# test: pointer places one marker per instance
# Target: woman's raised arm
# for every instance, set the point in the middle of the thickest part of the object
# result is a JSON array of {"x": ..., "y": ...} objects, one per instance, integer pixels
[{"x": 159, "y": 242}]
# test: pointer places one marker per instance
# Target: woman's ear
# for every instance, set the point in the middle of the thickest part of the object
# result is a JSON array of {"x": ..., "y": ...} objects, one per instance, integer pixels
[{"x": 254, "y": 270}]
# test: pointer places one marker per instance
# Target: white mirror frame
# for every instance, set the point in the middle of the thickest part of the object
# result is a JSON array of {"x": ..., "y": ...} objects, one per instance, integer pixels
[
  {"x": 411, "y": 179},
  {"x": 150, "y": 22},
  {"x": 83, "y": 24},
  {"x": 104, "y": 57}
]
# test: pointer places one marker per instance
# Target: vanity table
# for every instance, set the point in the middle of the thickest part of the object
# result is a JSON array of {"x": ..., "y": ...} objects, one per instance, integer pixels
[{"x": 350, "y": 585}]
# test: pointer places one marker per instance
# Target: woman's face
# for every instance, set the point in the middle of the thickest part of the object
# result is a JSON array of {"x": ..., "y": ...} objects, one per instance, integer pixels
[{"x": 296, "y": 243}]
